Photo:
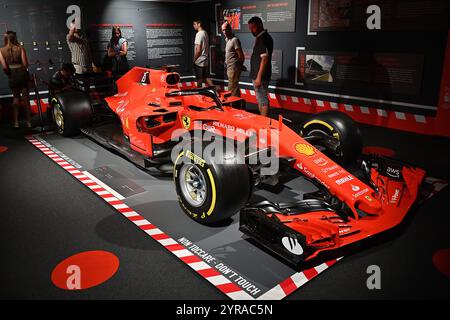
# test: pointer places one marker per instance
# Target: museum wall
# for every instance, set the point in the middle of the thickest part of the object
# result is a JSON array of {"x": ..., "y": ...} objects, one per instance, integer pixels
[
  {"x": 323, "y": 49},
  {"x": 158, "y": 33}
]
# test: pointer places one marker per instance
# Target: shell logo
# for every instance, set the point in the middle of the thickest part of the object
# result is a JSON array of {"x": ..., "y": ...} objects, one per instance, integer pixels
[{"x": 305, "y": 149}]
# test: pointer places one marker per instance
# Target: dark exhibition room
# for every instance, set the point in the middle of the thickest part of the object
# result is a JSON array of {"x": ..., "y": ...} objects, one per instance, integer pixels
[{"x": 234, "y": 151}]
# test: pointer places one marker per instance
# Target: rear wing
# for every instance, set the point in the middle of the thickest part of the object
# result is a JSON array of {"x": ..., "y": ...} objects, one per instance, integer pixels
[{"x": 146, "y": 76}]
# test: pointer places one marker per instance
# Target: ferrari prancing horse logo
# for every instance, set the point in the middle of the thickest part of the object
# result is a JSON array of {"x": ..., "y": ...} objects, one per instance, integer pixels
[{"x": 186, "y": 122}]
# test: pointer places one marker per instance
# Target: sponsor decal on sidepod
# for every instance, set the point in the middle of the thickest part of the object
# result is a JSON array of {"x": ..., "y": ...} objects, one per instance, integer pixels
[
  {"x": 304, "y": 149},
  {"x": 343, "y": 180},
  {"x": 360, "y": 193},
  {"x": 394, "y": 173}
]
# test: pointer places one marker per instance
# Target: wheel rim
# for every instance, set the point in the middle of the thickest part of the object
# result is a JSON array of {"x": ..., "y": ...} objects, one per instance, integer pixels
[
  {"x": 193, "y": 185},
  {"x": 59, "y": 118},
  {"x": 315, "y": 131}
]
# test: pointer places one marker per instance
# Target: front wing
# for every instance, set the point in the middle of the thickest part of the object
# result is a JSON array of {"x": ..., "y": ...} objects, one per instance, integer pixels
[{"x": 298, "y": 232}]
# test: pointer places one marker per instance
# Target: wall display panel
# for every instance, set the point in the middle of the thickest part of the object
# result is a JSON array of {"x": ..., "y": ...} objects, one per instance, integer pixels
[
  {"x": 165, "y": 44},
  {"x": 339, "y": 15},
  {"x": 3, "y": 27},
  {"x": 383, "y": 73},
  {"x": 162, "y": 31},
  {"x": 277, "y": 63},
  {"x": 41, "y": 29},
  {"x": 217, "y": 66},
  {"x": 100, "y": 36},
  {"x": 407, "y": 54},
  {"x": 278, "y": 16},
  {"x": 217, "y": 61},
  {"x": 158, "y": 33}
]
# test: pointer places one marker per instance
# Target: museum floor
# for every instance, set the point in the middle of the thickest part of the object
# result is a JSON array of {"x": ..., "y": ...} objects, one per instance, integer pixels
[{"x": 47, "y": 216}]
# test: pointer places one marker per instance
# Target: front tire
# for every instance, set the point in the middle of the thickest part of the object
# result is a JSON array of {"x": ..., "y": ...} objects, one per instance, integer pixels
[{"x": 211, "y": 189}]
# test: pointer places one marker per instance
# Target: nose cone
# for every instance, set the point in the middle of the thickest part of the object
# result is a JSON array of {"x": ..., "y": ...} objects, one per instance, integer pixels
[{"x": 369, "y": 204}]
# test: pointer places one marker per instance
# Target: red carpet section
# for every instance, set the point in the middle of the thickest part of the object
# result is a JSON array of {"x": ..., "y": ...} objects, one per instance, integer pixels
[
  {"x": 85, "y": 270},
  {"x": 441, "y": 260},
  {"x": 386, "y": 152}
]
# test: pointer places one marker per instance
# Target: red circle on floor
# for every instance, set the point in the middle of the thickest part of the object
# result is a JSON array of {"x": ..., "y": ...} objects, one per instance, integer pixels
[
  {"x": 381, "y": 151},
  {"x": 3, "y": 149},
  {"x": 85, "y": 270},
  {"x": 441, "y": 260}
]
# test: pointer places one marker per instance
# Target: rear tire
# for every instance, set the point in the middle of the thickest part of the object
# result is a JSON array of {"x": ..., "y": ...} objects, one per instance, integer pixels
[
  {"x": 340, "y": 127},
  {"x": 211, "y": 192},
  {"x": 72, "y": 110}
]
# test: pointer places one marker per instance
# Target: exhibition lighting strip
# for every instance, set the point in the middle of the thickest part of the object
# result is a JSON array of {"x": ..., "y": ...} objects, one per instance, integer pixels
[{"x": 223, "y": 284}]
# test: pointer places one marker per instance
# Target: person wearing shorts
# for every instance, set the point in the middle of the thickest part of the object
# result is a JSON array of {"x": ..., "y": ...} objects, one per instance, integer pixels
[
  {"x": 201, "y": 55},
  {"x": 234, "y": 59},
  {"x": 261, "y": 63},
  {"x": 14, "y": 61}
]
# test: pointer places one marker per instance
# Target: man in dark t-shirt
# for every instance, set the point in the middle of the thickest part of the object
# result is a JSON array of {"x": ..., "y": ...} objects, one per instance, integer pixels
[{"x": 261, "y": 63}]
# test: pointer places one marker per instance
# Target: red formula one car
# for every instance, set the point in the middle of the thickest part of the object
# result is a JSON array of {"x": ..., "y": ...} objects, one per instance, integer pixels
[{"x": 149, "y": 115}]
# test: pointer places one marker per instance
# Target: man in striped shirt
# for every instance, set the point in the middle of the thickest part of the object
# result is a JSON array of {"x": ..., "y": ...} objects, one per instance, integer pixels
[{"x": 80, "y": 50}]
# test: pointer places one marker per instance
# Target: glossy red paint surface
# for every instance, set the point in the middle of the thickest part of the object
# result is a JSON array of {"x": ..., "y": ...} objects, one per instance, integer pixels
[{"x": 138, "y": 104}]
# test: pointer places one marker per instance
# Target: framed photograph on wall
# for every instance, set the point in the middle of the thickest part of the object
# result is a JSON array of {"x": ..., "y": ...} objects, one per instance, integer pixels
[
  {"x": 276, "y": 16},
  {"x": 361, "y": 72}
]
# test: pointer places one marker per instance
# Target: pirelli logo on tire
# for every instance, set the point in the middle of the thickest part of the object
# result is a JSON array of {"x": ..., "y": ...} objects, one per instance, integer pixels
[
  {"x": 189, "y": 212},
  {"x": 195, "y": 158}
]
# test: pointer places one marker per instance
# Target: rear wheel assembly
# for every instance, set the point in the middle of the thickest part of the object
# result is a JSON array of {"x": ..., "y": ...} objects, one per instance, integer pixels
[{"x": 335, "y": 134}]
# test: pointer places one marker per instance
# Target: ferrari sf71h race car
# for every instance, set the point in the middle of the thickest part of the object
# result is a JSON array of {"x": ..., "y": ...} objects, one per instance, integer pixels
[{"x": 149, "y": 112}]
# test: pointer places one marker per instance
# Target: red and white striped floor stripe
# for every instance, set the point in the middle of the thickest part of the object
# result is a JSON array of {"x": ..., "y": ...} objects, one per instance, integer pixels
[
  {"x": 209, "y": 273},
  {"x": 295, "y": 281},
  {"x": 229, "y": 288}
]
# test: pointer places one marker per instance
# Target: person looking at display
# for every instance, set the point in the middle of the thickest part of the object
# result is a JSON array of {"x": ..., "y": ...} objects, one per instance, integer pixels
[
  {"x": 14, "y": 61},
  {"x": 234, "y": 59},
  {"x": 201, "y": 55},
  {"x": 261, "y": 63},
  {"x": 62, "y": 80},
  {"x": 79, "y": 49},
  {"x": 117, "y": 52}
]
